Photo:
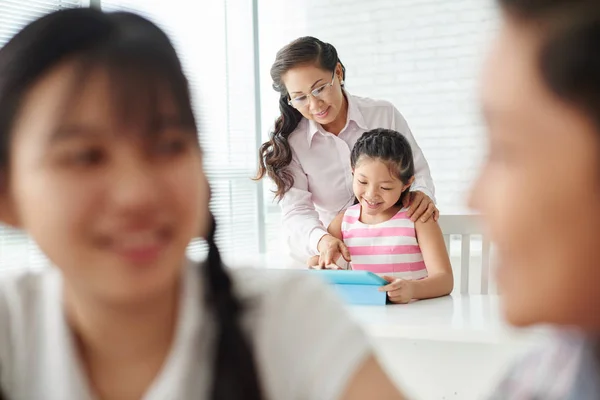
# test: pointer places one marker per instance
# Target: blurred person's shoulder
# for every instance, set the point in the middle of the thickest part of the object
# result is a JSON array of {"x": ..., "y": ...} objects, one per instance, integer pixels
[
  {"x": 23, "y": 293},
  {"x": 279, "y": 302},
  {"x": 260, "y": 286},
  {"x": 305, "y": 340},
  {"x": 554, "y": 369}
]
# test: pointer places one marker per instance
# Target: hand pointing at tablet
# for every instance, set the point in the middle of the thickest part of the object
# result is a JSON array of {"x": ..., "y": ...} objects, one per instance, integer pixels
[{"x": 330, "y": 249}]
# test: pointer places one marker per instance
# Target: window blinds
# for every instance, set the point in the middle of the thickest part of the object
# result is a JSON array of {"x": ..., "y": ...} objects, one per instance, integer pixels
[
  {"x": 214, "y": 41},
  {"x": 16, "y": 249}
]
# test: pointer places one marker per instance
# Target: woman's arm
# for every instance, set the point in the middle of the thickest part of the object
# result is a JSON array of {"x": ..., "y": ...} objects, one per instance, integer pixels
[
  {"x": 440, "y": 280},
  {"x": 299, "y": 217},
  {"x": 302, "y": 223}
]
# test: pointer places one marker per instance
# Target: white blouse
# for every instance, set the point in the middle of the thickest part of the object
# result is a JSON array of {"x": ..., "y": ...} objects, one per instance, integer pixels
[{"x": 306, "y": 346}]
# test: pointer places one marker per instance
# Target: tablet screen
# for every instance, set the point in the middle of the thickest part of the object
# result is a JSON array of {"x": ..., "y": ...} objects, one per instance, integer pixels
[{"x": 344, "y": 277}]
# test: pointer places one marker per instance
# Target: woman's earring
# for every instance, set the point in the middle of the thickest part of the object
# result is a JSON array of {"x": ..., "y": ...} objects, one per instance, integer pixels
[{"x": 342, "y": 82}]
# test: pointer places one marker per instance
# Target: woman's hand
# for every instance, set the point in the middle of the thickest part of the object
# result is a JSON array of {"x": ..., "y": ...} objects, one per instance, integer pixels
[
  {"x": 420, "y": 207},
  {"x": 312, "y": 262},
  {"x": 330, "y": 249},
  {"x": 398, "y": 291}
]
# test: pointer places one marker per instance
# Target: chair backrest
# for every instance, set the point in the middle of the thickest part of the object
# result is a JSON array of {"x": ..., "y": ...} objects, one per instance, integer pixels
[{"x": 467, "y": 226}]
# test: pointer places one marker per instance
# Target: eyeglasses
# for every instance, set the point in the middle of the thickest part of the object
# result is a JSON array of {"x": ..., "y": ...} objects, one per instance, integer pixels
[{"x": 302, "y": 101}]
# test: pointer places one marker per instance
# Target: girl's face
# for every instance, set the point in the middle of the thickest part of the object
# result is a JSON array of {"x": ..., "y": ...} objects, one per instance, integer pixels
[
  {"x": 110, "y": 204},
  {"x": 539, "y": 190},
  {"x": 302, "y": 80},
  {"x": 375, "y": 187}
]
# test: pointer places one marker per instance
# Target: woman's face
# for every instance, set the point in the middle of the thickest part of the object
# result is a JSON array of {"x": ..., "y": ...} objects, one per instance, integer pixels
[
  {"x": 111, "y": 205},
  {"x": 302, "y": 80},
  {"x": 539, "y": 190}
]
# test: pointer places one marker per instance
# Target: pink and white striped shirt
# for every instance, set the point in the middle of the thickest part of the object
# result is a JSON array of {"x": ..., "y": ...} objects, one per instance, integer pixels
[{"x": 388, "y": 248}]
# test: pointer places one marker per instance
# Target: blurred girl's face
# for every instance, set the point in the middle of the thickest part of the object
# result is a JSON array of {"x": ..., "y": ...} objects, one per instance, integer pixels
[
  {"x": 112, "y": 205},
  {"x": 539, "y": 190}
]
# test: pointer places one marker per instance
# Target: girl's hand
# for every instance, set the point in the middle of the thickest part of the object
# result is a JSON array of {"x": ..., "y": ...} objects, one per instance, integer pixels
[
  {"x": 420, "y": 207},
  {"x": 398, "y": 291},
  {"x": 330, "y": 249}
]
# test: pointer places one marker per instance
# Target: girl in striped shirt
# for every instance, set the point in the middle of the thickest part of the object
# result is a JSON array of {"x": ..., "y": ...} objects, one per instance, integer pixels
[{"x": 379, "y": 235}]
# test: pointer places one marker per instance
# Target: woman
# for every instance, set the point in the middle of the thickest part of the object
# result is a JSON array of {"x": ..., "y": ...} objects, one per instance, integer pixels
[
  {"x": 308, "y": 155},
  {"x": 541, "y": 99},
  {"x": 100, "y": 164}
]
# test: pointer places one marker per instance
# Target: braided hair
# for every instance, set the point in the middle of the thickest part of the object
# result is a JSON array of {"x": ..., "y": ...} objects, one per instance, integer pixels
[{"x": 234, "y": 369}]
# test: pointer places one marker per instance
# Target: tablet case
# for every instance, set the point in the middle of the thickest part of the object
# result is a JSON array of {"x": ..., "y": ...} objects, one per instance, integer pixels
[{"x": 356, "y": 287}]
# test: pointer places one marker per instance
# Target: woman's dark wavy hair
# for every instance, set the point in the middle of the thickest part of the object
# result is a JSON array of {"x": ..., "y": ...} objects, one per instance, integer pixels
[
  {"x": 275, "y": 155},
  {"x": 142, "y": 66},
  {"x": 390, "y": 147}
]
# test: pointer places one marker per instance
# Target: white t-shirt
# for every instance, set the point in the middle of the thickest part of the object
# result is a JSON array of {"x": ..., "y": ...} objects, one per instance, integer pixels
[{"x": 305, "y": 345}]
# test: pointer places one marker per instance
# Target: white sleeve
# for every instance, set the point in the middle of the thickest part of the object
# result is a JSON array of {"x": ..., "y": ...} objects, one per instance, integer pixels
[
  {"x": 299, "y": 217},
  {"x": 310, "y": 346},
  {"x": 423, "y": 181}
]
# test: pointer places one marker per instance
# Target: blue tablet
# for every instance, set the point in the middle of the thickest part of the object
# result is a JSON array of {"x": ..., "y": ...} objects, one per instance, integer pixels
[{"x": 345, "y": 277}]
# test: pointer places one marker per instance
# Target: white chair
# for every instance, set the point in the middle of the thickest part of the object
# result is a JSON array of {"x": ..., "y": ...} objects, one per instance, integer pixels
[{"x": 467, "y": 226}]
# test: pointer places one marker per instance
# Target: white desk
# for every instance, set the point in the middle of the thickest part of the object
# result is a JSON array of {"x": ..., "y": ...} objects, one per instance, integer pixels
[
  {"x": 455, "y": 318},
  {"x": 455, "y": 347}
]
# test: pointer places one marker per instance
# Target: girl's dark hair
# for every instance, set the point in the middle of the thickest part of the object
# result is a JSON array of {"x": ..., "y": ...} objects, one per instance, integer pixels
[
  {"x": 390, "y": 147},
  {"x": 143, "y": 67},
  {"x": 569, "y": 57},
  {"x": 275, "y": 155}
]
